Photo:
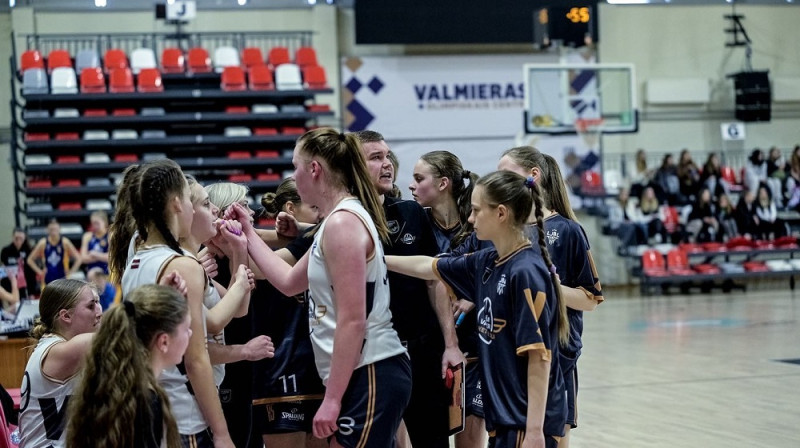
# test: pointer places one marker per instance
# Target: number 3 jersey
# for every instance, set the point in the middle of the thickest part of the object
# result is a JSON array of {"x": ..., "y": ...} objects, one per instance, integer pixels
[
  {"x": 517, "y": 317},
  {"x": 380, "y": 339}
]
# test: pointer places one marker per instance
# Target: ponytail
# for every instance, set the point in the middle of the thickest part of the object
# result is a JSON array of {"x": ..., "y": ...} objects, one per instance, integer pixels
[{"x": 124, "y": 226}]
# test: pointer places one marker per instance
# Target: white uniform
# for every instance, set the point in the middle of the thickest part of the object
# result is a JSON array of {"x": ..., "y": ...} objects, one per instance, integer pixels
[
  {"x": 145, "y": 267},
  {"x": 380, "y": 340},
  {"x": 211, "y": 298},
  {"x": 43, "y": 404}
]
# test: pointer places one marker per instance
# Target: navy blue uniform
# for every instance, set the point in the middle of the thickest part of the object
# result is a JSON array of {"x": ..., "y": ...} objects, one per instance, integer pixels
[
  {"x": 56, "y": 261},
  {"x": 287, "y": 389},
  {"x": 569, "y": 251},
  {"x": 98, "y": 245},
  {"x": 415, "y": 321},
  {"x": 517, "y": 314}
]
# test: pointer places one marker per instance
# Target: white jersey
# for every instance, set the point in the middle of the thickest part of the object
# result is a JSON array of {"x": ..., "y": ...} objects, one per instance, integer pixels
[
  {"x": 380, "y": 339},
  {"x": 44, "y": 400},
  {"x": 146, "y": 267}
]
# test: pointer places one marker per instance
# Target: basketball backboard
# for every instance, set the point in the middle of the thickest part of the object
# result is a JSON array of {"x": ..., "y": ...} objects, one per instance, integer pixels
[{"x": 556, "y": 95}]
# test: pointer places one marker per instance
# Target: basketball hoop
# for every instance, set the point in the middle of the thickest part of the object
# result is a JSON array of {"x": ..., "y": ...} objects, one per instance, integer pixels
[{"x": 589, "y": 129}]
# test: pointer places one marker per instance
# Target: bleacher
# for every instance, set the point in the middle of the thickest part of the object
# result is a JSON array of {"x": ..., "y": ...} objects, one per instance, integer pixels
[{"x": 89, "y": 106}]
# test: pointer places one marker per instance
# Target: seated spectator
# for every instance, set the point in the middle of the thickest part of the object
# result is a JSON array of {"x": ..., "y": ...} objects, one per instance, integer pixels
[
  {"x": 726, "y": 216},
  {"x": 15, "y": 254},
  {"x": 768, "y": 226},
  {"x": 703, "y": 226},
  {"x": 745, "y": 213},
  {"x": 666, "y": 177},
  {"x": 791, "y": 185},
  {"x": 776, "y": 164},
  {"x": 637, "y": 173},
  {"x": 755, "y": 173},
  {"x": 648, "y": 216},
  {"x": 108, "y": 293},
  {"x": 9, "y": 297},
  {"x": 628, "y": 233},
  {"x": 711, "y": 177},
  {"x": 688, "y": 175}
]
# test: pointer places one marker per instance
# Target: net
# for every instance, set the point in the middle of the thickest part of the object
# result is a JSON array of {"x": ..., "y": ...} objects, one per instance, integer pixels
[{"x": 589, "y": 129}]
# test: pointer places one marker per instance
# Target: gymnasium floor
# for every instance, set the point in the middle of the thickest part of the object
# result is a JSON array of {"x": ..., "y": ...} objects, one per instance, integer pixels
[{"x": 699, "y": 370}]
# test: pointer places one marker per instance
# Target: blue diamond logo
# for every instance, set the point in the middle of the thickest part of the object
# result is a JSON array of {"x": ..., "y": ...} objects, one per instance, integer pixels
[
  {"x": 354, "y": 85},
  {"x": 375, "y": 84}
]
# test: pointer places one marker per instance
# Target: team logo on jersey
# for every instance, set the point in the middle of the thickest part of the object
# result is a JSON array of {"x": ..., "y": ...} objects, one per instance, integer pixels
[
  {"x": 501, "y": 284},
  {"x": 551, "y": 236},
  {"x": 488, "y": 325},
  {"x": 394, "y": 226},
  {"x": 315, "y": 313},
  {"x": 407, "y": 239}
]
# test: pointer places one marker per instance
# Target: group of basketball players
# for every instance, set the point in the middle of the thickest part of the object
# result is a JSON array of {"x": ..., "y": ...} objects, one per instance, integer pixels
[{"x": 515, "y": 274}]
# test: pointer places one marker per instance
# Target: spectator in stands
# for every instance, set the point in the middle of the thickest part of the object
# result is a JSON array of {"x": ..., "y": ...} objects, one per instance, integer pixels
[
  {"x": 688, "y": 175},
  {"x": 726, "y": 216},
  {"x": 9, "y": 297},
  {"x": 746, "y": 218},
  {"x": 776, "y": 164},
  {"x": 638, "y": 174},
  {"x": 666, "y": 178},
  {"x": 109, "y": 294},
  {"x": 791, "y": 186},
  {"x": 55, "y": 253},
  {"x": 15, "y": 254},
  {"x": 755, "y": 173},
  {"x": 768, "y": 226},
  {"x": 648, "y": 216},
  {"x": 94, "y": 243},
  {"x": 711, "y": 177},
  {"x": 703, "y": 225},
  {"x": 629, "y": 233}
]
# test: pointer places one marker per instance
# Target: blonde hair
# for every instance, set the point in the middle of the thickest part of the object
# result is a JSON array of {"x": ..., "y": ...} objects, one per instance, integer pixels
[
  {"x": 61, "y": 294},
  {"x": 223, "y": 194}
]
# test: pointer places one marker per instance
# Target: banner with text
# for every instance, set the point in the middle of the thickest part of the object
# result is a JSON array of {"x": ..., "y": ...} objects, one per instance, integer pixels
[{"x": 417, "y": 97}]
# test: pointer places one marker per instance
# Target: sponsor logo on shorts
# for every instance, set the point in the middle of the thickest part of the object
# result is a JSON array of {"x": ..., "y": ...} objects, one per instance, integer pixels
[{"x": 293, "y": 415}]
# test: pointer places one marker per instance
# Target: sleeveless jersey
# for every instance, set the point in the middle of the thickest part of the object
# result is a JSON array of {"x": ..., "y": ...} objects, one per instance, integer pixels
[
  {"x": 380, "y": 339},
  {"x": 44, "y": 400},
  {"x": 145, "y": 267},
  {"x": 56, "y": 261},
  {"x": 98, "y": 245}
]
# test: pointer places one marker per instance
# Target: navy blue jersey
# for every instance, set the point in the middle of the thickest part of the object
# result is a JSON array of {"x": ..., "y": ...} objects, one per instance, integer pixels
[
  {"x": 98, "y": 245},
  {"x": 517, "y": 318},
  {"x": 444, "y": 237},
  {"x": 410, "y": 233},
  {"x": 55, "y": 260},
  {"x": 569, "y": 251},
  {"x": 291, "y": 374}
]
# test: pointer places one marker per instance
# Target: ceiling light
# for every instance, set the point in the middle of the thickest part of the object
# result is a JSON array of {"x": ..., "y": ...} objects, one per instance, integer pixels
[
  {"x": 241, "y": 2},
  {"x": 100, "y": 3}
]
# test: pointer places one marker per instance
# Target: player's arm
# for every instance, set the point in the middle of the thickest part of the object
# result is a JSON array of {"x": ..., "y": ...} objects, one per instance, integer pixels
[
  {"x": 86, "y": 256},
  {"x": 418, "y": 266},
  {"x": 73, "y": 253},
  {"x": 440, "y": 300},
  {"x": 588, "y": 293},
  {"x": 346, "y": 244},
  {"x": 538, "y": 377},
  {"x": 255, "y": 349},
  {"x": 36, "y": 254},
  {"x": 198, "y": 365},
  {"x": 65, "y": 359},
  {"x": 12, "y": 298}
]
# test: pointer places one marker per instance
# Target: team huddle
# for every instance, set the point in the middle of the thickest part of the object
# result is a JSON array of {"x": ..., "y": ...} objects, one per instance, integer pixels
[{"x": 359, "y": 301}]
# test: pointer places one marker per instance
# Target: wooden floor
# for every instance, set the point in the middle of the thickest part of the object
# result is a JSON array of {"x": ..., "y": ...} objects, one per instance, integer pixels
[{"x": 700, "y": 370}]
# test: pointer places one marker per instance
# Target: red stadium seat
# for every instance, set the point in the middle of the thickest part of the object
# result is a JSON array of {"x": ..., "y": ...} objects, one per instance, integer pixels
[
  {"x": 39, "y": 183},
  {"x": 68, "y": 159},
  {"x": 69, "y": 183},
  {"x": 591, "y": 183},
  {"x": 786, "y": 242},
  {"x": 123, "y": 112},
  {"x": 707, "y": 268},
  {"x": 126, "y": 158},
  {"x": 238, "y": 154},
  {"x": 115, "y": 59},
  {"x": 261, "y": 78},
  {"x": 653, "y": 263},
  {"x": 172, "y": 60},
  {"x": 70, "y": 205},
  {"x": 278, "y": 56},
  {"x": 318, "y": 107},
  {"x": 314, "y": 77},
  {"x": 149, "y": 81},
  {"x": 252, "y": 57},
  {"x": 31, "y": 59},
  {"x": 265, "y": 131},
  {"x": 199, "y": 61},
  {"x": 237, "y": 110},
  {"x": 678, "y": 263},
  {"x": 93, "y": 80},
  {"x": 240, "y": 178},
  {"x": 36, "y": 136},
  {"x": 233, "y": 79},
  {"x": 67, "y": 136},
  {"x": 120, "y": 81},
  {"x": 305, "y": 56},
  {"x": 266, "y": 154},
  {"x": 293, "y": 130},
  {"x": 268, "y": 177},
  {"x": 671, "y": 219},
  {"x": 58, "y": 58},
  {"x": 95, "y": 113},
  {"x": 713, "y": 246},
  {"x": 755, "y": 266},
  {"x": 740, "y": 243}
]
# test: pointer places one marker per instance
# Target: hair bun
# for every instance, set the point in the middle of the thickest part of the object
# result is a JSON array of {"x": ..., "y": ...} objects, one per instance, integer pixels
[
  {"x": 530, "y": 181},
  {"x": 465, "y": 174}
]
